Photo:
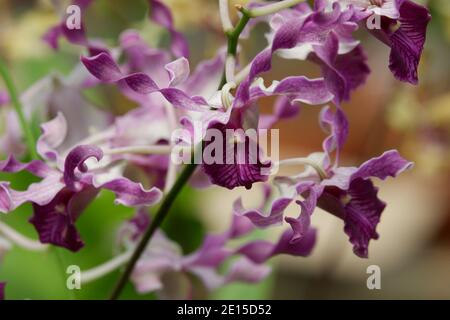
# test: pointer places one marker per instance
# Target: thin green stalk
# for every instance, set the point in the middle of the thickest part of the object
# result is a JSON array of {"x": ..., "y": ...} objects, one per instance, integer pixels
[
  {"x": 233, "y": 35},
  {"x": 157, "y": 221},
  {"x": 26, "y": 128},
  {"x": 233, "y": 40},
  {"x": 164, "y": 209}
]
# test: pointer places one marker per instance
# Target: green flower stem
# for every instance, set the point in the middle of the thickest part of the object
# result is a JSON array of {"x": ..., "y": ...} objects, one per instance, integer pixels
[
  {"x": 26, "y": 128},
  {"x": 233, "y": 40},
  {"x": 164, "y": 209}
]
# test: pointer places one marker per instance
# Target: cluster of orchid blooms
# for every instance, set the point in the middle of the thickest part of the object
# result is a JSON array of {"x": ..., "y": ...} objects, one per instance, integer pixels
[{"x": 82, "y": 150}]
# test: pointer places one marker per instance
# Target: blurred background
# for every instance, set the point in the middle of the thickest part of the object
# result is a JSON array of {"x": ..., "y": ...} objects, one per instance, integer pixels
[{"x": 413, "y": 251}]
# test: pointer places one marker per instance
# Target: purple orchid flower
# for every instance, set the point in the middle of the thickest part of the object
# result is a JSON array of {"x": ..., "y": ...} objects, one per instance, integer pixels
[
  {"x": 189, "y": 93},
  {"x": 346, "y": 192},
  {"x": 104, "y": 68},
  {"x": 321, "y": 36},
  {"x": 163, "y": 262},
  {"x": 403, "y": 26},
  {"x": 75, "y": 36},
  {"x": 67, "y": 187},
  {"x": 164, "y": 269},
  {"x": 159, "y": 14},
  {"x": 407, "y": 41},
  {"x": 176, "y": 89},
  {"x": 325, "y": 37},
  {"x": 179, "y": 90},
  {"x": 55, "y": 221}
]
